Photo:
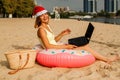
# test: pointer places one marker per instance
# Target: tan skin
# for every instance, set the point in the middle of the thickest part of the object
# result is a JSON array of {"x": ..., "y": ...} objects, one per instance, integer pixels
[{"x": 42, "y": 34}]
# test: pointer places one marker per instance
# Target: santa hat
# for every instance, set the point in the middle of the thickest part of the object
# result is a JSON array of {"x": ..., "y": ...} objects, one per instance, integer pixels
[{"x": 39, "y": 10}]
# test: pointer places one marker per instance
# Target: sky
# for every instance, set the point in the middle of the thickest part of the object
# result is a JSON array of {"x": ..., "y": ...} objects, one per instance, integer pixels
[{"x": 73, "y": 4}]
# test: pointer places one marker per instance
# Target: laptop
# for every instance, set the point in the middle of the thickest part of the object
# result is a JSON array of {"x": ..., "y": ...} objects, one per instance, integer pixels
[{"x": 83, "y": 40}]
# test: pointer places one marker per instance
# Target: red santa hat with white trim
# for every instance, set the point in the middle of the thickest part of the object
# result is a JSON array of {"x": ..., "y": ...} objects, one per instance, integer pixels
[{"x": 39, "y": 10}]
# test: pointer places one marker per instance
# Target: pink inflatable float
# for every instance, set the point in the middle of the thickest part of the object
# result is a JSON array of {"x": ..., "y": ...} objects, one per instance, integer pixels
[{"x": 64, "y": 58}]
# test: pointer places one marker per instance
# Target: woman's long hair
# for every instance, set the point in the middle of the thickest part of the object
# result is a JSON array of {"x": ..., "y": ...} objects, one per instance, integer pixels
[{"x": 37, "y": 22}]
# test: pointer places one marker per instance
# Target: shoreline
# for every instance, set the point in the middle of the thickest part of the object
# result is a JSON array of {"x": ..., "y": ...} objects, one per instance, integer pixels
[{"x": 96, "y": 20}]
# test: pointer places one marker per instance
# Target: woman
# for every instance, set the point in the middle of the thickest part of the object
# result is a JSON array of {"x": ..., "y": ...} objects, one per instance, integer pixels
[{"x": 49, "y": 41}]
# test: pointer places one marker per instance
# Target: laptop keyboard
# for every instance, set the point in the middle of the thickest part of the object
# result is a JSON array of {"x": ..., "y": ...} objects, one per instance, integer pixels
[{"x": 79, "y": 41}]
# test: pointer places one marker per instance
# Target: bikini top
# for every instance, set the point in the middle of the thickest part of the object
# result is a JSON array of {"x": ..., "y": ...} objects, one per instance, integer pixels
[{"x": 50, "y": 36}]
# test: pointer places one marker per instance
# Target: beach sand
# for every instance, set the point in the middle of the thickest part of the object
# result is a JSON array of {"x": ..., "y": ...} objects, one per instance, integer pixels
[{"x": 20, "y": 34}]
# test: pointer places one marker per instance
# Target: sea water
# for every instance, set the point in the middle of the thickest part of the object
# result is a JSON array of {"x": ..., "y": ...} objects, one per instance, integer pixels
[{"x": 105, "y": 20}]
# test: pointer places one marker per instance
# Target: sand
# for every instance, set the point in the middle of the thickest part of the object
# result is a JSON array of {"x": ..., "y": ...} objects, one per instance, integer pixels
[{"x": 20, "y": 34}]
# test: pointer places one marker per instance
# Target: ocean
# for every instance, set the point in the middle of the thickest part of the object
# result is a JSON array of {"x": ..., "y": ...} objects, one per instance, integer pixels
[{"x": 104, "y": 20}]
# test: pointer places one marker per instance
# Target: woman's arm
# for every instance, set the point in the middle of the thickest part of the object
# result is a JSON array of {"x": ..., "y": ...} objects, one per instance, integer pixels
[
  {"x": 59, "y": 36},
  {"x": 42, "y": 35}
]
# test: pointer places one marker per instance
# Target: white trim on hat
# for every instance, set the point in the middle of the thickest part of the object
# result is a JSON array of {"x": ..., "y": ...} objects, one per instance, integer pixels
[{"x": 41, "y": 12}]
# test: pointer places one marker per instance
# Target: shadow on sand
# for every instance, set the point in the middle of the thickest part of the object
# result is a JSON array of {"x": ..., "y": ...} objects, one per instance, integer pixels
[
  {"x": 108, "y": 44},
  {"x": 21, "y": 47},
  {"x": 4, "y": 63}
]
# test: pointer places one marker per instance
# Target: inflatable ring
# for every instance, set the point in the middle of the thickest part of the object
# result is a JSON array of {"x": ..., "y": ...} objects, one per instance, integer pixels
[{"x": 64, "y": 58}]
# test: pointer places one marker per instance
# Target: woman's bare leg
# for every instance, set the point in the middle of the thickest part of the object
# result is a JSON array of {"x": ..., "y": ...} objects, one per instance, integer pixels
[{"x": 97, "y": 55}]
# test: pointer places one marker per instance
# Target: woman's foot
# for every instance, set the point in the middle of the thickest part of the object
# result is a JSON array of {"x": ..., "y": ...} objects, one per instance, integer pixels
[{"x": 113, "y": 58}]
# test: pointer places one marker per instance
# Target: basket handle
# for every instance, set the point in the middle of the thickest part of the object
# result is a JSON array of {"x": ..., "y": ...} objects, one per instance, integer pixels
[{"x": 20, "y": 68}]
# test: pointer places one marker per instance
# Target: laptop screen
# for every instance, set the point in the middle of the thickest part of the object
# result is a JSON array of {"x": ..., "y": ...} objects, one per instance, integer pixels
[{"x": 89, "y": 31}]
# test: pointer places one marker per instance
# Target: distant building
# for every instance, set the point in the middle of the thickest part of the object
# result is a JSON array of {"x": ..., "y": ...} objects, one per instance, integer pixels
[
  {"x": 61, "y": 9},
  {"x": 111, "y": 6},
  {"x": 90, "y": 6}
]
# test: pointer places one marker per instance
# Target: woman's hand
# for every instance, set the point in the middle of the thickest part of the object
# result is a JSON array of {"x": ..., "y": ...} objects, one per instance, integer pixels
[
  {"x": 66, "y": 31},
  {"x": 69, "y": 46}
]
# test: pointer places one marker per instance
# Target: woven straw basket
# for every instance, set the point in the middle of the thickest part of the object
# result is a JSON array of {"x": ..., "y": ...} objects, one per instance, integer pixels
[{"x": 20, "y": 59}]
